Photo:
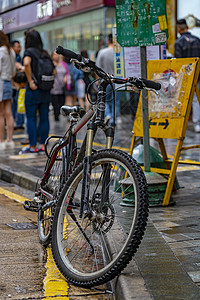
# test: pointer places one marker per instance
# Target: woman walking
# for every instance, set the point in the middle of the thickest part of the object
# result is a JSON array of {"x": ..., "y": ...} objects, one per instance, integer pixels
[
  {"x": 7, "y": 71},
  {"x": 61, "y": 78},
  {"x": 36, "y": 99}
]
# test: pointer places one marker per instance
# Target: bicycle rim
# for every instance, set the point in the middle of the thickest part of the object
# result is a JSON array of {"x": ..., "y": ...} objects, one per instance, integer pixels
[{"x": 94, "y": 250}]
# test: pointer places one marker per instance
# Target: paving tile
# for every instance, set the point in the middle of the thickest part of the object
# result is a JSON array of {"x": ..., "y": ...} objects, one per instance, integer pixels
[{"x": 195, "y": 275}]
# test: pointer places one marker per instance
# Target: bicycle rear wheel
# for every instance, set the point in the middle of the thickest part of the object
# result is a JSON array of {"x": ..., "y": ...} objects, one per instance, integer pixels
[
  {"x": 51, "y": 188},
  {"x": 93, "y": 250}
]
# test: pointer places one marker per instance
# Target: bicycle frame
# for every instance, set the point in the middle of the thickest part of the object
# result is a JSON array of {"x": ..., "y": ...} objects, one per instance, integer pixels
[{"x": 96, "y": 118}]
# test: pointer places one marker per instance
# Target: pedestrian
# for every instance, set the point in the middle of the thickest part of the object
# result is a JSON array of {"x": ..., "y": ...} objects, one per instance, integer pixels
[
  {"x": 105, "y": 60},
  {"x": 39, "y": 71},
  {"x": 71, "y": 90},
  {"x": 61, "y": 79},
  {"x": 188, "y": 45},
  {"x": 88, "y": 78},
  {"x": 80, "y": 89},
  {"x": 18, "y": 117},
  {"x": 7, "y": 71}
]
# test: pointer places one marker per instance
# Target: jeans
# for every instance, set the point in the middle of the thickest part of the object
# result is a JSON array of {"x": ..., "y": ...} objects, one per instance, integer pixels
[
  {"x": 57, "y": 102},
  {"x": 19, "y": 118},
  {"x": 196, "y": 108},
  {"x": 110, "y": 103},
  {"x": 37, "y": 104}
]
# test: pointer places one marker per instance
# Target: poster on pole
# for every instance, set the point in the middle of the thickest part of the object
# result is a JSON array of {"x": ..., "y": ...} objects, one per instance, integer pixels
[
  {"x": 132, "y": 59},
  {"x": 141, "y": 22},
  {"x": 127, "y": 59}
]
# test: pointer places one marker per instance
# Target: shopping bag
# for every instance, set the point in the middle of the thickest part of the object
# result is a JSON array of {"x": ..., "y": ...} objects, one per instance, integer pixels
[{"x": 20, "y": 101}]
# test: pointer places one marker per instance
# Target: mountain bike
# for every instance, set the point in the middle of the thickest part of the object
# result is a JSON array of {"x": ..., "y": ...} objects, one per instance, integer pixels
[{"x": 93, "y": 236}]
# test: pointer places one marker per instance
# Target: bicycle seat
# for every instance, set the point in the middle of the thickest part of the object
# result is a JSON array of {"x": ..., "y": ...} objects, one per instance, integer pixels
[{"x": 67, "y": 109}]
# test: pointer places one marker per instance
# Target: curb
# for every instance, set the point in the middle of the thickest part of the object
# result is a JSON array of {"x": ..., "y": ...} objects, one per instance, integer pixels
[
  {"x": 20, "y": 178},
  {"x": 131, "y": 285}
]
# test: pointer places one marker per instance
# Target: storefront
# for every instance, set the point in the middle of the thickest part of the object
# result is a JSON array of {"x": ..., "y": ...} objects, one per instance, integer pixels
[{"x": 74, "y": 24}]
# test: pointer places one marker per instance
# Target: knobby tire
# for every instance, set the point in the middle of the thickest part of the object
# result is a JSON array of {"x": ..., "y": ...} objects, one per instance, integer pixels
[{"x": 93, "y": 250}]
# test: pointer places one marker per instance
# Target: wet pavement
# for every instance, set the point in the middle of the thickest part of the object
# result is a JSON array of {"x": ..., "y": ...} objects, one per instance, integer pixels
[
  {"x": 21, "y": 256},
  {"x": 167, "y": 264}
]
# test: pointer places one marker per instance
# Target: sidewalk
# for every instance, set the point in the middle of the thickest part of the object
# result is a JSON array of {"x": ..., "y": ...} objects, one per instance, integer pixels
[{"x": 167, "y": 264}]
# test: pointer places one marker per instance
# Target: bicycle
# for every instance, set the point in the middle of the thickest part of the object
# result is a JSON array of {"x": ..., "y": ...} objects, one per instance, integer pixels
[{"x": 93, "y": 237}]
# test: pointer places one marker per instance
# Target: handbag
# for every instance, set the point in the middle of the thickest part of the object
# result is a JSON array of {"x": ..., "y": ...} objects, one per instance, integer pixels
[{"x": 20, "y": 101}]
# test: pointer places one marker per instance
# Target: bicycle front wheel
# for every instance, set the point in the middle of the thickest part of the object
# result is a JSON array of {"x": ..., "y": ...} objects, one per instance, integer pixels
[{"x": 93, "y": 250}]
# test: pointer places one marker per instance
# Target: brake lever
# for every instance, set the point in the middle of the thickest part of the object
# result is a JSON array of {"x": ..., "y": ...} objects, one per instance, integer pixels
[
  {"x": 151, "y": 90},
  {"x": 80, "y": 65}
]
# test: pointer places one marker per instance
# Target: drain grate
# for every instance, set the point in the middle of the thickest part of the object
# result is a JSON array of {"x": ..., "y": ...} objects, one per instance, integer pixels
[{"x": 22, "y": 226}]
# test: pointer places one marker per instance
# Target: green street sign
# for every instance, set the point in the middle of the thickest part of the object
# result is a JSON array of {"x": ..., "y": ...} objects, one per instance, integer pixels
[{"x": 141, "y": 22}]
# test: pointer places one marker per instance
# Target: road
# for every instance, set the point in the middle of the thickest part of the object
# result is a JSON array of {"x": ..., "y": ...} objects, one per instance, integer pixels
[{"x": 27, "y": 269}]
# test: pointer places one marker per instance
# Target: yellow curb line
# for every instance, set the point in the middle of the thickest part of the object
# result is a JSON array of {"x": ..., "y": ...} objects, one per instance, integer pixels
[
  {"x": 12, "y": 195},
  {"x": 55, "y": 284}
]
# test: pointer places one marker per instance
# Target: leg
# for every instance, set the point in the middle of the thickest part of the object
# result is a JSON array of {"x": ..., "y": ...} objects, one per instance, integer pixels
[
  {"x": 14, "y": 103},
  {"x": 55, "y": 103},
  {"x": 108, "y": 99},
  {"x": 9, "y": 119},
  {"x": 19, "y": 118},
  {"x": 196, "y": 112},
  {"x": 69, "y": 100},
  {"x": 31, "y": 109},
  {"x": 61, "y": 102},
  {"x": 117, "y": 108},
  {"x": 44, "y": 122},
  {"x": 81, "y": 92},
  {"x": 2, "y": 122},
  {"x": 81, "y": 102}
]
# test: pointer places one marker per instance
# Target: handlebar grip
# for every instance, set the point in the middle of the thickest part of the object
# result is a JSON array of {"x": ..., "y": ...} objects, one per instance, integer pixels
[
  {"x": 68, "y": 53},
  {"x": 151, "y": 84}
]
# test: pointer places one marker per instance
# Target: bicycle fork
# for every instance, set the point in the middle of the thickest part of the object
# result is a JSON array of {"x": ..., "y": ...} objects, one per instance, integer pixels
[{"x": 84, "y": 208}]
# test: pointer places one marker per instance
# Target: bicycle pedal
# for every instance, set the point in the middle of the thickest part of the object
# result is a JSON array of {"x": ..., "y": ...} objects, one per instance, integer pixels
[
  {"x": 37, "y": 200},
  {"x": 31, "y": 205}
]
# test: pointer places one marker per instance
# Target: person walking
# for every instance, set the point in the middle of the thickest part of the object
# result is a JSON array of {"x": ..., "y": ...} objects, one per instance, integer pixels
[
  {"x": 61, "y": 79},
  {"x": 87, "y": 80},
  {"x": 7, "y": 71},
  {"x": 105, "y": 60},
  {"x": 18, "y": 117},
  {"x": 37, "y": 97},
  {"x": 188, "y": 45},
  {"x": 71, "y": 90}
]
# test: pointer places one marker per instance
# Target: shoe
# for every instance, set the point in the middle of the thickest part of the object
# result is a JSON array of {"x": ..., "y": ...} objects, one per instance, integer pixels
[
  {"x": 10, "y": 145},
  {"x": 41, "y": 149},
  {"x": 28, "y": 149},
  {"x": 2, "y": 145},
  {"x": 197, "y": 128}
]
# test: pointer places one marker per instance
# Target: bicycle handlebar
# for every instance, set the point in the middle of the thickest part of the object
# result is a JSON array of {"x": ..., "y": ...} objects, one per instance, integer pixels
[
  {"x": 68, "y": 53},
  {"x": 82, "y": 62},
  {"x": 151, "y": 84}
]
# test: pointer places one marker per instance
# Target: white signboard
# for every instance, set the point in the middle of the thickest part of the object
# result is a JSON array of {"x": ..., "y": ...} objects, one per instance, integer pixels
[{"x": 132, "y": 59}]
